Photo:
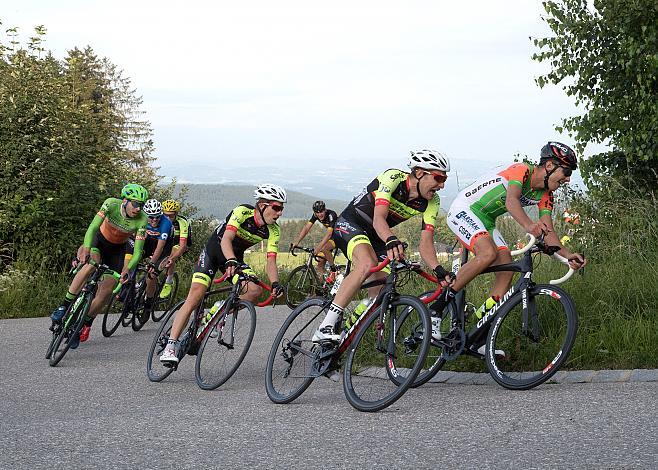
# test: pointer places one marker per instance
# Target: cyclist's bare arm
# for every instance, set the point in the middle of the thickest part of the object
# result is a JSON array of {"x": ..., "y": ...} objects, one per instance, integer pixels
[
  {"x": 158, "y": 249},
  {"x": 304, "y": 231},
  {"x": 227, "y": 250},
  {"x": 384, "y": 231},
  {"x": 576, "y": 260},
  {"x": 513, "y": 205},
  {"x": 271, "y": 269}
]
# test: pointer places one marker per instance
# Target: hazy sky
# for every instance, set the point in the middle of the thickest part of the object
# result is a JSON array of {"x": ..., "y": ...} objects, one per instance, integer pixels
[{"x": 308, "y": 83}]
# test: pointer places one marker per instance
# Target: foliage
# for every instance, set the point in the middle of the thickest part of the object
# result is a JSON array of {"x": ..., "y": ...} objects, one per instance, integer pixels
[
  {"x": 70, "y": 136},
  {"x": 606, "y": 57}
]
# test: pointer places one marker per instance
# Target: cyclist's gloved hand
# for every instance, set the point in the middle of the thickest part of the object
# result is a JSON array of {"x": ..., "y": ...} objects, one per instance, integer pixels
[
  {"x": 292, "y": 249},
  {"x": 394, "y": 248},
  {"x": 230, "y": 266},
  {"x": 277, "y": 289},
  {"x": 577, "y": 261},
  {"x": 125, "y": 275},
  {"x": 444, "y": 276}
]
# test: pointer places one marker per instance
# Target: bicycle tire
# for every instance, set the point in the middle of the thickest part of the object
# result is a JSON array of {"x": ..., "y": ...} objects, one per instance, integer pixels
[
  {"x": 434, "y": 361},
  {"x": 165, "y": 304},
  {"x": 529, "y": 362},
  {"x": 140, "y": 313},
  {"x": 288, "y": 375},
  {"x": 211, "y": 369},
  {"x": 301, "y": 285},
  {"x": 72, "y": 324},
  {"x": 365, "y": 367},
  {"x": 109, "y": 326},
  {"x": 155, "y": 370}
]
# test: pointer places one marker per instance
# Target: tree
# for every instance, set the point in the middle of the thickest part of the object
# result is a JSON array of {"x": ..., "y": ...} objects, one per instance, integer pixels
[
  {"x": 71, "y": 134},
  {"x": 606, "y": 57}
]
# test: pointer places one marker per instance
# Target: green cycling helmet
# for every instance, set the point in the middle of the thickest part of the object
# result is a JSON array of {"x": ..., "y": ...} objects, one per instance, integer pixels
[{"x": 135, "y": 192}]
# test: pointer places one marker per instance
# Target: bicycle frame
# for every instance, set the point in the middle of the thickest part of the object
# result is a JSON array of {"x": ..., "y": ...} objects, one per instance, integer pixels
[{"x": 521, "y": 287}]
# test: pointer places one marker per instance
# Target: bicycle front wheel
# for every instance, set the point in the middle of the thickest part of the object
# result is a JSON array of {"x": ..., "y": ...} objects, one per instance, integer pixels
[
  {"x": 113, "y": 316},
  {"x": 301, "y": 286},
  {"x": 225, "y": 345},
  {"x": 71, "y": 326},
  {"x": 291, "y": 361},
  {"x": 366, "y": 383},
  {"x": 520, "y": 360}
]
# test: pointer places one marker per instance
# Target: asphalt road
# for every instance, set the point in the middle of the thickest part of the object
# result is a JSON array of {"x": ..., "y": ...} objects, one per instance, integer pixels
[{"x": 98, "y": 409}]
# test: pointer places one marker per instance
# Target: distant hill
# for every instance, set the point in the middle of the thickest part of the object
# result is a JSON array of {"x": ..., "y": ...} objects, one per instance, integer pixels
[{"x": 216, "y": 200}]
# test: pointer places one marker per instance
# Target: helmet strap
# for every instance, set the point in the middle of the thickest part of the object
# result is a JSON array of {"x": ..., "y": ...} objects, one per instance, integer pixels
[
  {"x": 548, "y": 175},
  {"x": 260, "y": 211}
]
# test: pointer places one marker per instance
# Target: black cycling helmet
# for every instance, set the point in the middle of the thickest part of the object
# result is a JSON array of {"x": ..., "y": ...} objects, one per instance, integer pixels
[
  {"x": 560, "y": 152},
  {"x": 318, "y": 206}
]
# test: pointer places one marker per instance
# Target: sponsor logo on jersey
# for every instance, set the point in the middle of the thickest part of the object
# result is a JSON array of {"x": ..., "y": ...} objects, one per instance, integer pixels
[
  {"x": 397, "y": 176},
  {"x": 465, "y": 233},
  {"x": 483, "y": 185},
  {"x": 468, "y": 220}
]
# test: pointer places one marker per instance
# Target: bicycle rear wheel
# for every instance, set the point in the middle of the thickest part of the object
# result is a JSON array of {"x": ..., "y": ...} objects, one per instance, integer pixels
[
  {"x": 366, "y": 382},
  {"x": 293, "y": 355},
  {"x": 410, "y": 327},
  {"x": 301, "y": 285},
  {"x": 155, "y": 370},
  {"x": 225, "y": 345},
  {"x": 110, "y": 321},
  {"x": 71, "y": 326},
  {"x": 532, "y": 357}
]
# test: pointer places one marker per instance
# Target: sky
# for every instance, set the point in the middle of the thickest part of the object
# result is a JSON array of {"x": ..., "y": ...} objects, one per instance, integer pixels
[{"x": 308, "y": 86}]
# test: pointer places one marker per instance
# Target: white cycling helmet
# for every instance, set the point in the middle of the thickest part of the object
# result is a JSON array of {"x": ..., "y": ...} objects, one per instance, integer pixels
[
  {"x": 152, "y": 208},
  {"x": 271, "y": 192},
  {"x": 429, "y": 160}
]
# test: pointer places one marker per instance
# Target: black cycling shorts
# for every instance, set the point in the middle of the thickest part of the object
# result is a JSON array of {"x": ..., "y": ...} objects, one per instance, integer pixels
[{"x": 111, "y": 253}]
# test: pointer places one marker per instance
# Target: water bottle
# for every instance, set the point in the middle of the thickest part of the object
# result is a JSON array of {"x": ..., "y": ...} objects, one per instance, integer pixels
[
  {"x": 334, "y": 288},
  {"x": 358, "y": 311},
  {"x": 213, "y": 310}
]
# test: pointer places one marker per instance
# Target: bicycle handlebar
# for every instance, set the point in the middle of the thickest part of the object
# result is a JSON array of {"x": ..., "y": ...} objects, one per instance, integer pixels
[
  {"x": 255, "y": 280},
  {"x": 569, "y": 273},
  {"x": 531, "y": 242}
]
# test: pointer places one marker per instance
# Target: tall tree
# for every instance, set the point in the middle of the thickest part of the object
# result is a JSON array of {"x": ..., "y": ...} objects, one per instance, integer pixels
[{"x": 605, "y": 55}]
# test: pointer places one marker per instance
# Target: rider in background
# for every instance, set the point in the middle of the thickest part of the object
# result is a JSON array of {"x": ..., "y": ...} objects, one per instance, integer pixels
[
  {"x": 244, "y": 227},
  {"x": 472, "y": 217},
  {"x": 182, "y": 241},
  {"x": 328, "y": 218},
  {"x": 106, "y": 242}
]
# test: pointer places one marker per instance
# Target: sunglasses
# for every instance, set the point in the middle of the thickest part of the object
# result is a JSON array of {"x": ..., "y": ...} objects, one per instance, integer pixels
[
  {"x": 567, "y": 171},
  {"x": 439, "y": 178},
  {"x": 155, "y": 217},
  {"x": 276, "y": 207},
  {"x": 136, "y": 204}
]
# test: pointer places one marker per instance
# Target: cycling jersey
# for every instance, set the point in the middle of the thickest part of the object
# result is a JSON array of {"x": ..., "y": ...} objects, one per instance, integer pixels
[
  {"x": 247, "y": 233},
  {"x": 391, "y": 188},
  {"x": 474, "y": 211},
  {"x": 182, "y": 230},
  {"x": 163, "y": 231},
  {"x": 117, "y": 229},
  {"x": 329, "y": 219}
]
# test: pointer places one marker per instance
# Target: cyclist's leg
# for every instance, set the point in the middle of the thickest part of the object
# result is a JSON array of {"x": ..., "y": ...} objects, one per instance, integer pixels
[
  {"x": 204, "y": 271},
  {"x": 475, "y": 235},
  {"x": 327, "y": 257},
  {"x": 74, "y": 288},
  {"x": 503, "y": 279}
]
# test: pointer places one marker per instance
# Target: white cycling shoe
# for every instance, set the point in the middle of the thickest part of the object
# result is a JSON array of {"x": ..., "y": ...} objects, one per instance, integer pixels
[
  {"x": 169, "y": 357},
  {"x": 325, "y": 334},
  {"x": 499, "y": 352}
]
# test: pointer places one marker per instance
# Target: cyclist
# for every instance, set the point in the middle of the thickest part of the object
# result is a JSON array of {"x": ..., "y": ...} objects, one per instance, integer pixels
[
  {"x": 245, "y": 226},
  {"x": 158, "y": 245},
  {"x": 327, "y": 217},
  {"x": 472, "y": 217},
  {"x": 105, "y": 241},
  {"x": 363, "y": 230},
  {"x": 182, "y": 241}
]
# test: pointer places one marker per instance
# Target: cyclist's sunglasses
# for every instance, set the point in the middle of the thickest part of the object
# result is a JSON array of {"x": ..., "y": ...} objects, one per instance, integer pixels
[
  {"x": 276, "y": 207},
  {"x": 567, "y": 170},
  {"x": 136, "y": 204},
  {"x": 154, "y": 217},
  {"x": 438, "y": 177}
]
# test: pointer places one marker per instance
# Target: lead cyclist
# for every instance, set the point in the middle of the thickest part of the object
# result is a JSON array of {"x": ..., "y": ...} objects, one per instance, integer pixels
[{"x": 472, "y": 217}]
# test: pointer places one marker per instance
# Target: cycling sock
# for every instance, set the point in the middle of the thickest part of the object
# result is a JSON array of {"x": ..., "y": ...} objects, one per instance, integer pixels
[
  {"x": 334, "y": 312},
  {"x": 170, "y": 279},
  {"x": 68, "y": 299}
]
